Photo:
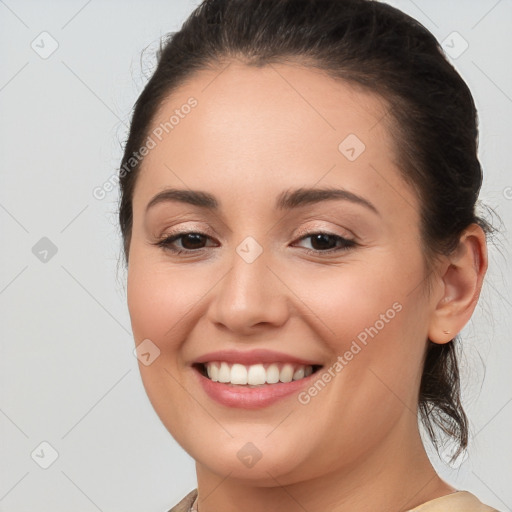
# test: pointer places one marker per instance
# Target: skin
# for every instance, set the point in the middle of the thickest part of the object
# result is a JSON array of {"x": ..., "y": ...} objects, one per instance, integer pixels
[{"x": 255, "y": 133}]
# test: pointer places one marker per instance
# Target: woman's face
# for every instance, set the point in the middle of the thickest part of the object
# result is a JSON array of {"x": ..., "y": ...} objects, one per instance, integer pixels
[{"x": 256, "y": 280}]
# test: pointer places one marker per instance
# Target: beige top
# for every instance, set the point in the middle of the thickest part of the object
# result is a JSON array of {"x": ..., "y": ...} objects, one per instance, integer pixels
[{"x": 459, "y": 501}]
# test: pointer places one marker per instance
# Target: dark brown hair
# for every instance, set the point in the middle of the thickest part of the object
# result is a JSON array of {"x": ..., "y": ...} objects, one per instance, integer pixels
[{"x": 431, "y": 116}]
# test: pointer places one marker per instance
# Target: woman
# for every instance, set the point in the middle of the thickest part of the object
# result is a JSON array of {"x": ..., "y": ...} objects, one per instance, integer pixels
[{"x": 293, "y": 372}]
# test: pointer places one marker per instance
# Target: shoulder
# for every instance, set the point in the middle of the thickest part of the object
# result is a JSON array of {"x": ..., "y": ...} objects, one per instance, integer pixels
[
  {"x": 459, "y": 501},
  {"x": 185, "y": 504}
]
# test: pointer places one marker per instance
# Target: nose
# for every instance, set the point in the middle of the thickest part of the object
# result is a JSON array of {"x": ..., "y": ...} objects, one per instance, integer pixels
[{"x": 249, "y": 298}]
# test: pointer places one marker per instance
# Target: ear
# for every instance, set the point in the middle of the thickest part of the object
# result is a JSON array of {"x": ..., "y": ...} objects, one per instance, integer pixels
[{"x": 460, "y": 282}]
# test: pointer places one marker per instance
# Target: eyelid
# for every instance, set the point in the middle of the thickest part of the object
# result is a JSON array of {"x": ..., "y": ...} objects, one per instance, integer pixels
[
  {"x": 170, "y": 236},
  {"x": 301, "y": 232},
  {"x": 186, "y": 227},
  {"x": 347, "y": 234}
]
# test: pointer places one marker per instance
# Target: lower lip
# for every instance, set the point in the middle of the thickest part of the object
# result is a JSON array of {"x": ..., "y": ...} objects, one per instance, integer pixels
[{"x": 251, "y": 398}]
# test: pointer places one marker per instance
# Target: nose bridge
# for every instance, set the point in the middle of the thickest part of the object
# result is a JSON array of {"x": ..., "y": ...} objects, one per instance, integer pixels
[{"x": 250, "y": 293}]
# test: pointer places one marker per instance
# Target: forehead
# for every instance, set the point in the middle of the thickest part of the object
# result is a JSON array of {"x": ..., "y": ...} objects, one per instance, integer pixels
[{"x": 261, "y": 129}]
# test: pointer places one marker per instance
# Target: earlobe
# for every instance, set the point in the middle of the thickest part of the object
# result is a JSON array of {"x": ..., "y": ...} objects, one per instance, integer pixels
[{"x": 461, "y": 282}]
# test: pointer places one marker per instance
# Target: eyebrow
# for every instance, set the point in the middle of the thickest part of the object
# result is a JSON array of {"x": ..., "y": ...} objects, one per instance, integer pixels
[{"x": 287, "y": 200}]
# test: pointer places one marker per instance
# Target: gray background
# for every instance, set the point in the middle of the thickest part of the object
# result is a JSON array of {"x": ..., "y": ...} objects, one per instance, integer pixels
[{"x": 68, "y": 374}]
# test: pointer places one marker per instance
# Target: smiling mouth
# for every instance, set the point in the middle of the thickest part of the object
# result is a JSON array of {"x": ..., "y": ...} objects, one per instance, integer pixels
[{"x": 254, "y": 375}]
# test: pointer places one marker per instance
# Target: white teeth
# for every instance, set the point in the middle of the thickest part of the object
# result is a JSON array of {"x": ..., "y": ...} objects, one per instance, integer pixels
[
  {"x": 238, "y": 374},
  {"x": 213, "y": 371},
  {"x": 286, "y": 374},
  {"x": 272, "y": 374},
  {"x": 224, "y": 373},
  {"x": 256, "y": 374},
  {"x": 299, "y": 373}
]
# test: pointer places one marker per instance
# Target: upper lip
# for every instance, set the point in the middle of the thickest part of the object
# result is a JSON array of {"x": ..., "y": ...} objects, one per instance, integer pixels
[{"x": 253, "y": 357}]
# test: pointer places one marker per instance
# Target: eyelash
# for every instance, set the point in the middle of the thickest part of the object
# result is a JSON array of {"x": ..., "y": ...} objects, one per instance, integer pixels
[{"x": 166, "y": 242}]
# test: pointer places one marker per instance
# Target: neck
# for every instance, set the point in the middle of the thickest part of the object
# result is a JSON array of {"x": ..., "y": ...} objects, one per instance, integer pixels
[{"x": 395, "y": 477}]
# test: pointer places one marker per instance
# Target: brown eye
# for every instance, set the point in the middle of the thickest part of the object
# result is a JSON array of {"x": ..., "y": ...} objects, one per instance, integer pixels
[
  {"x": 323, "y": 241},
  {"x": 191, "y": 241},
  {"x": 327, "y": 242}
]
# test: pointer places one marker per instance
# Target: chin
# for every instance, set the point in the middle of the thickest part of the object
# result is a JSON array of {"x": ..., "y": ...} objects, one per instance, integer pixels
[{"x": 260, "y": 462}]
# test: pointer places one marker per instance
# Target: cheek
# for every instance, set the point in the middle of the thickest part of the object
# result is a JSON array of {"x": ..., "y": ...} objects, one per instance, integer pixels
[
  {"x": 374, "y": 378},
  {"x": 376, "y": 331},
  {"x": 161, "y": 305},
  {"x": 160, "y": 298},
  {"x": 357, "y": 302}
]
